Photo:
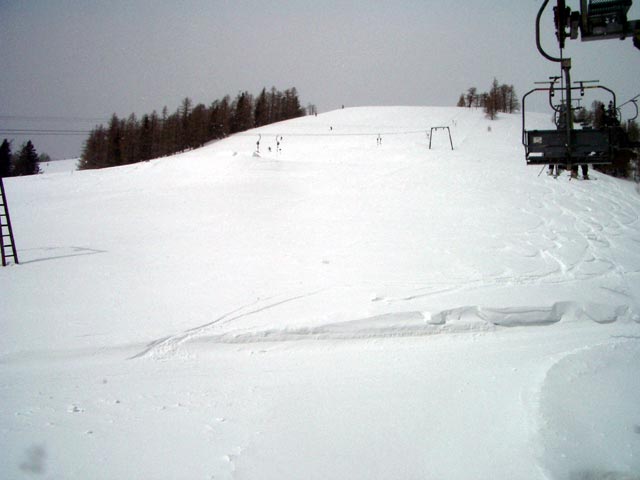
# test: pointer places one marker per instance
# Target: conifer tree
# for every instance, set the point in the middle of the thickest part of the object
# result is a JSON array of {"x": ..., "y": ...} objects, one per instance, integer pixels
[
  {"x": 221, "y": 117},
  {"x": 145, "y": 138},
  {"x": 472, "y": 96},
  {"x": 184, "y": 136},
  {"x": 156, "y": 135},
  {"x": 26, "y": 162},
  {"x": 291, "y": 107},
  {"x": 199, "y": 123},
  {"x": 132, "y": 140},
  {"x": 242, "y": 117},
  {"x": 492, "y": 105},
  {"x": 5, "y": 159},
  {"x": 114, "y": 138},
  {"x": 261, "y": 112},
  {"x": 94, "y": 153}
]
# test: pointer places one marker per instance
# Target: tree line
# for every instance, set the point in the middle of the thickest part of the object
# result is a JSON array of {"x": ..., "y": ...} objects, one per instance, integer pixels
[
  {"x": 25, "y": 162},
  {"x": 125, "y": 141},
  {"x": 499, "y": 98},
  {"x": 600, "y": 116},
  {"x": 625, "y": 162}
]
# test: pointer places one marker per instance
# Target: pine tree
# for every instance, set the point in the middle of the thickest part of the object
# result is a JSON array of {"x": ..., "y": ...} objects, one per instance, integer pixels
[
  {"x": 156, "y": 135},
  {"x": 94, "y": 153},
  {"x": 471, "y": 96},
  {"x": 261, "y": 112},
  {"x": 275, "y": 105},
  {"x": 114, "y": 142},
  {"x": 221, "y": 117},
  {"x": 242, "y": 117},
  {"x": 5, "y": 159},
  {"x": 145, "y": 136},
  {"x": 184, "y": 139},
  {"x": 513, "y": 104},
  {"x": 461, "y": 101},
  {"x": 492, "y": 105},
  {"x": 127, "y": 141},
  {"x": 27, "y": 160},
  {"x": 292, "y": 108},
  {"x": 199, "y": 123},
  {"x": 130, "y": 140}
]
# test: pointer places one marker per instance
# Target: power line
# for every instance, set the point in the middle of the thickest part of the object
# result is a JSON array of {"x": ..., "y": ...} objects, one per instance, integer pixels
[
  {"x": 332, "y": 134},
  {"x": 28, "y": 131},
  {"x": 30, "y": 118}
]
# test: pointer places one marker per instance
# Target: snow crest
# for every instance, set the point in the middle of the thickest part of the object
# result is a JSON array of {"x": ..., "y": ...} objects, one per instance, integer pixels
[{"x": 391, "y": 325}]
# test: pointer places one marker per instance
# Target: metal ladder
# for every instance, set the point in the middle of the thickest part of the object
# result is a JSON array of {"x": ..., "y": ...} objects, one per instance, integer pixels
[{"x": 7, "y": 243}]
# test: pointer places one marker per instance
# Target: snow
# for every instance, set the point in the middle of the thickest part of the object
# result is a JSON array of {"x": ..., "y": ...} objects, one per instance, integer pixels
[
  {"x": 338, "y": 309},
  {"x": 59, "y": 166}
]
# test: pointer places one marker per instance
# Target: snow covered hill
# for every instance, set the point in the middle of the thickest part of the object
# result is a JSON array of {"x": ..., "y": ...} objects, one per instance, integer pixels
[
  {"x": 59, "y": 166},
  {"x": 344, "y": 303}
]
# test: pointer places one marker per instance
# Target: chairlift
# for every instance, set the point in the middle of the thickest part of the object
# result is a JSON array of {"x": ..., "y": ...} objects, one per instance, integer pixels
[
  {"x": 603, "y": 19},
  {"x": 566, "y": 145}
]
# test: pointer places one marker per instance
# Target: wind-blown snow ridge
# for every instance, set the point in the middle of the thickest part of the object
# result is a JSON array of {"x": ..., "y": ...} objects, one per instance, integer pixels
[{"x": 396, "y": 324}]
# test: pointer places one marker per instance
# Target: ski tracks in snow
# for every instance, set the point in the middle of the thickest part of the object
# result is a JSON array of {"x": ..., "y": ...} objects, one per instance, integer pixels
[
  {"x": 167, "y": 346},
  {"x": 576, "y": 238},
  {"x": 566, "y": 240}
]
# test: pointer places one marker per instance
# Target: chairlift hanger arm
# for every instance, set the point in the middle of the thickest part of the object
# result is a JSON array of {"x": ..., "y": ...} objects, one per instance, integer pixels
[
  {"x": 538, "y": 44},
  {"x": 595, "y": 20}
]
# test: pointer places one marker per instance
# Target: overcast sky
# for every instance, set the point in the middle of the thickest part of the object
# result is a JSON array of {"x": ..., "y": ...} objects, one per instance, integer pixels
[{"x": 87, "y": 59}]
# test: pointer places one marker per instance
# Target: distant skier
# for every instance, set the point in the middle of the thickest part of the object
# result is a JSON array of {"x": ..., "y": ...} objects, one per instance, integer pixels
[{"x": 258, "y": 143}]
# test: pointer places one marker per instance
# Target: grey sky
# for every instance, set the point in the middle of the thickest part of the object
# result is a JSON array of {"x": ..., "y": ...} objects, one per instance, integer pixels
[{"x": 88, "y": 59}]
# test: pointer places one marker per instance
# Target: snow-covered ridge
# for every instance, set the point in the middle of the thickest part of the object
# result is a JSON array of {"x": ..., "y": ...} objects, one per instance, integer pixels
[
  {"x": 392, "y": 325},
  {"x": 343, "y": 303}
]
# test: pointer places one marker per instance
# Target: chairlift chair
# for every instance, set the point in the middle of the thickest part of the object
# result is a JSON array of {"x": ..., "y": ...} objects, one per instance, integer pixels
[
  {"x": 569, "y": 146},
  {"x": 597, "y": 19}
]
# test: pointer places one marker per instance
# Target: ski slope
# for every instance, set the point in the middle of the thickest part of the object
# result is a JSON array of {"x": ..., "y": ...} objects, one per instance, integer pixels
[
  {"x": 327, "y": 308},
  {"x": 59, "y": 166}
]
